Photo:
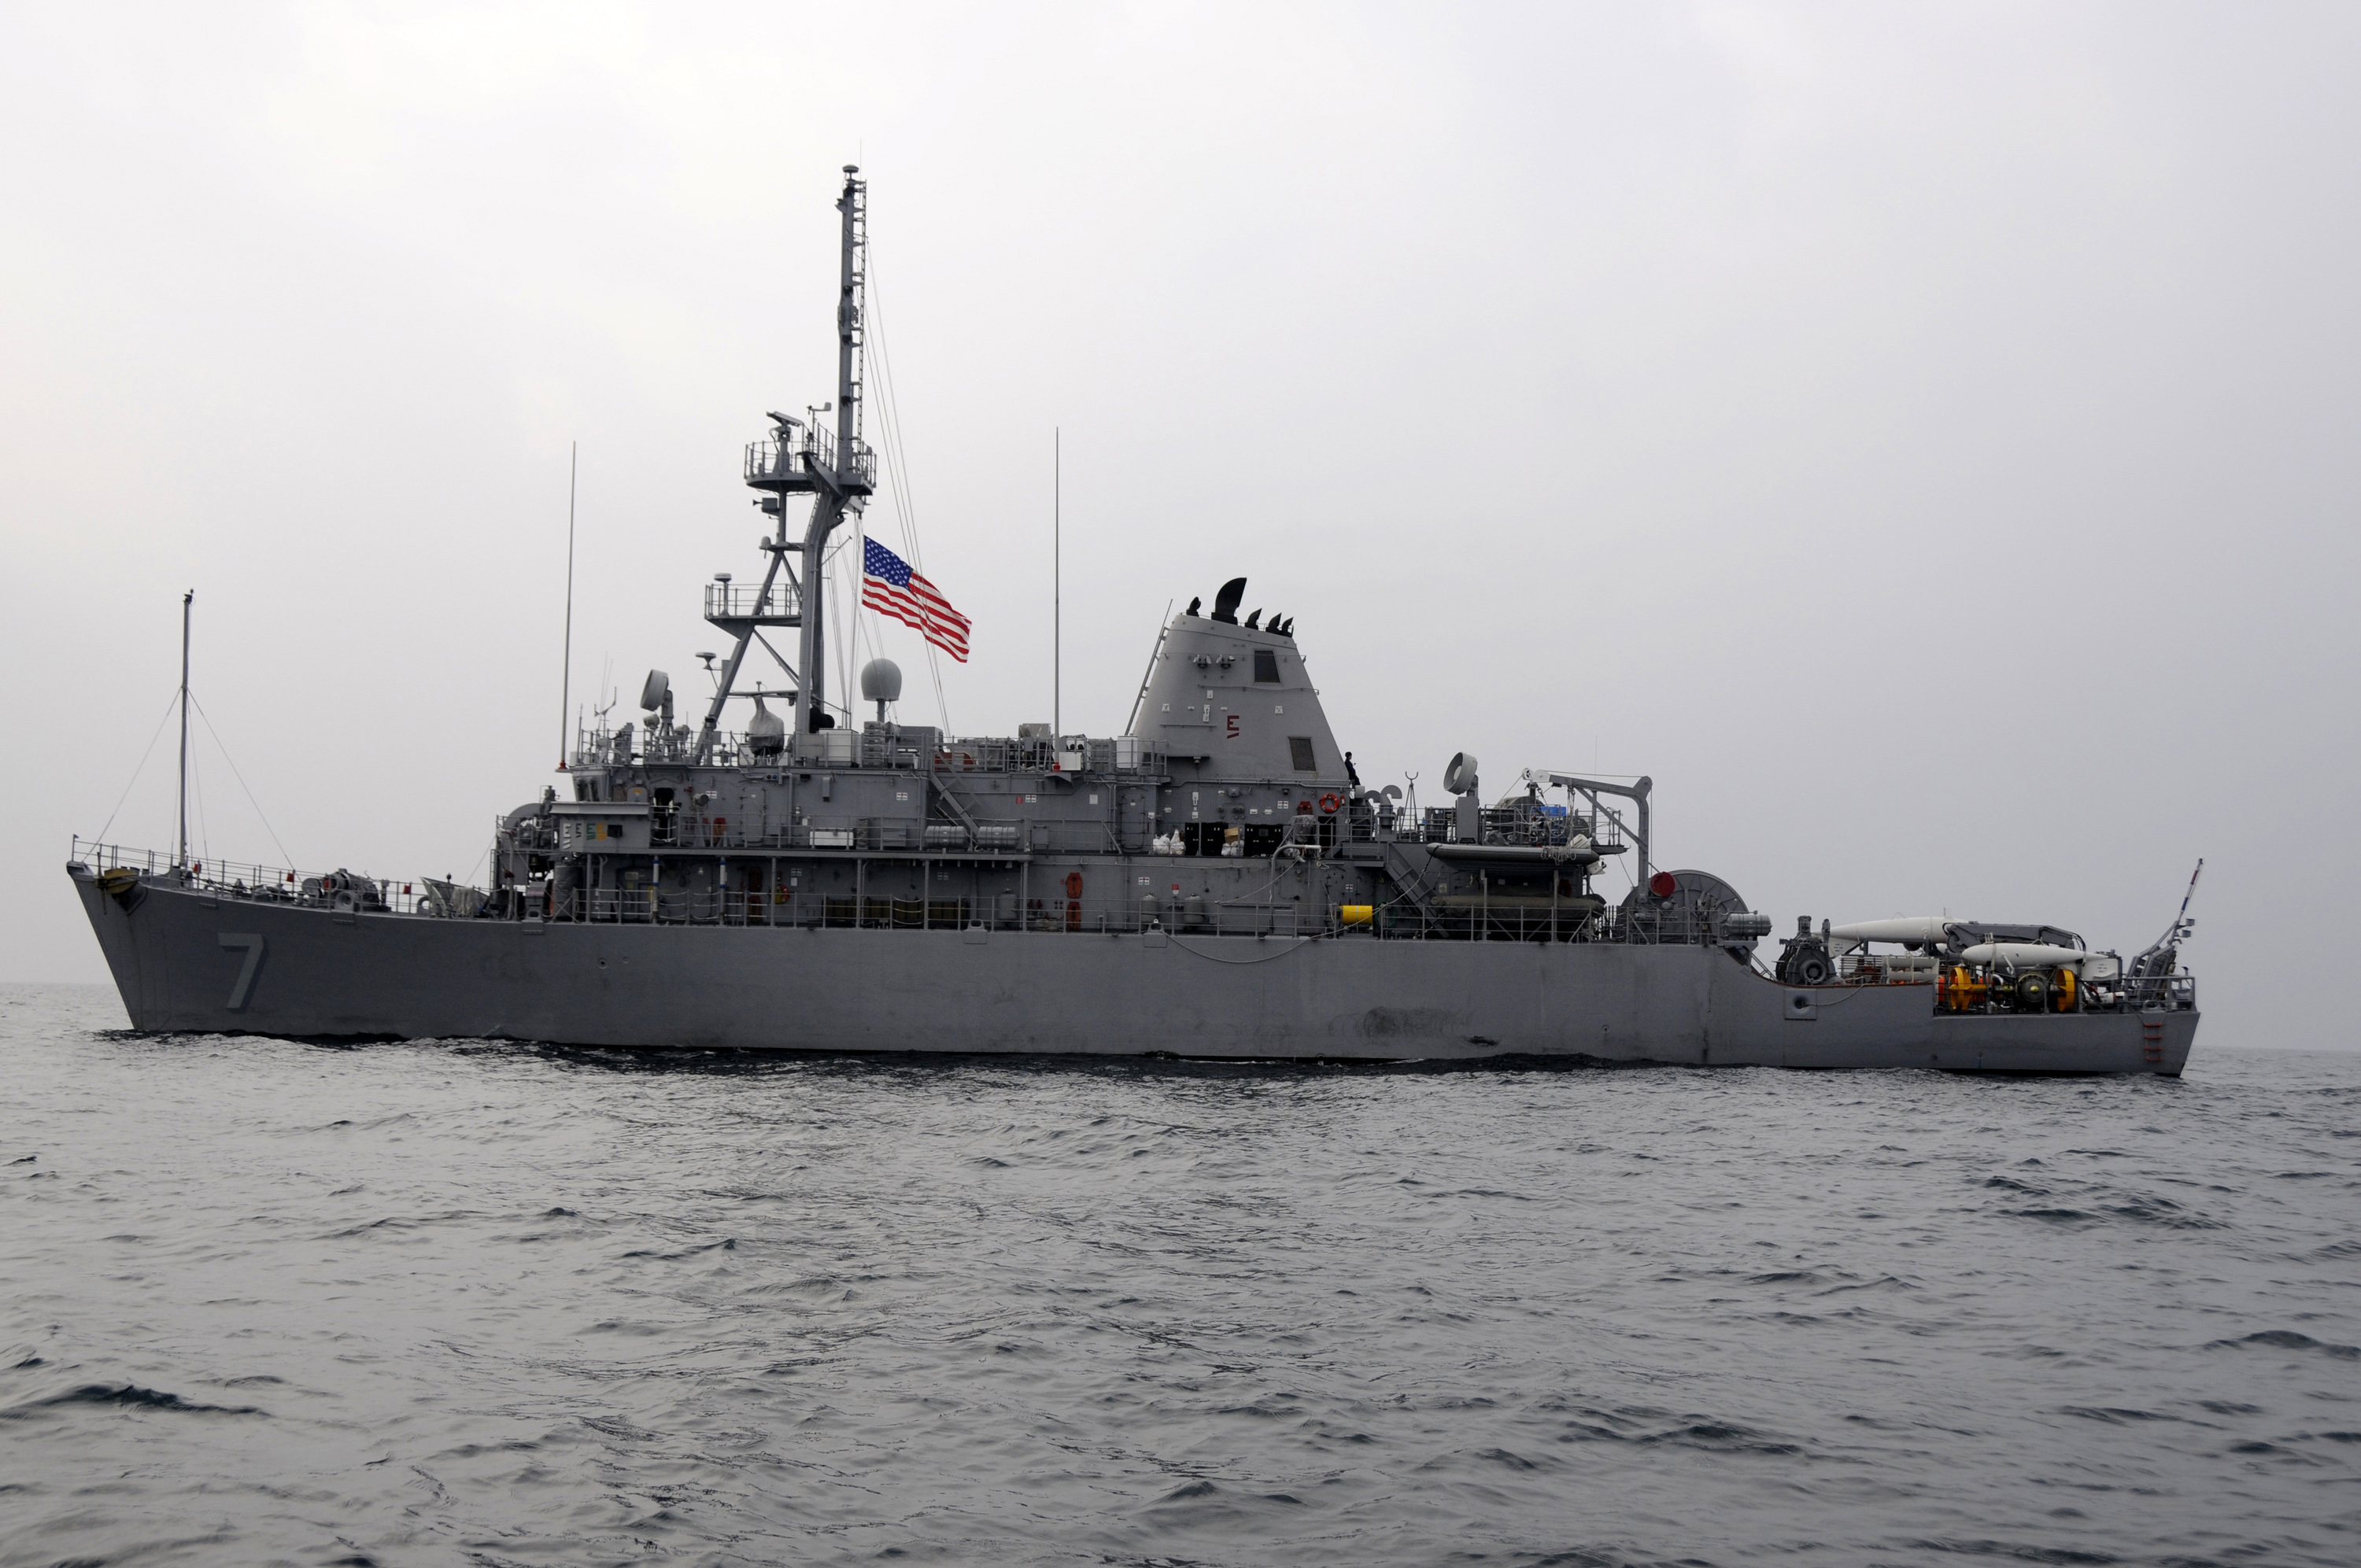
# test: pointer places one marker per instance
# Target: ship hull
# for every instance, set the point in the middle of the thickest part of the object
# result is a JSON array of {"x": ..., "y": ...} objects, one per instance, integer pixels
[{"x": 186, "y": 962}]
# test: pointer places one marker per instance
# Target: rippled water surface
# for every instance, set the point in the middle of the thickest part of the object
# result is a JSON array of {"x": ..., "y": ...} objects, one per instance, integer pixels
[{"x": 476, "y": 1303}]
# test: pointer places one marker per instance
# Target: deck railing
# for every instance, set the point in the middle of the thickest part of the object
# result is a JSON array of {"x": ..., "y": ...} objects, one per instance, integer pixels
[
  {"x": 339, "y": 889},
  {"x": 749, "y": 601},
  {"x": 593, "y": 747},
  {"x": 1248, "y": 916},
  {"x": 791, "y": 459},
  {"x": 1263, "y": 915}
]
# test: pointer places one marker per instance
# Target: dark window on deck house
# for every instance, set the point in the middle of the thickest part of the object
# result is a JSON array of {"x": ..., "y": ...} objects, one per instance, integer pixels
[{"x": 1299, "y": 748}]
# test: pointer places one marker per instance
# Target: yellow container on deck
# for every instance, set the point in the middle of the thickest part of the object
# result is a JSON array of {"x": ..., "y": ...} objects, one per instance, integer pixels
[{"x": 1357, "y": 914}]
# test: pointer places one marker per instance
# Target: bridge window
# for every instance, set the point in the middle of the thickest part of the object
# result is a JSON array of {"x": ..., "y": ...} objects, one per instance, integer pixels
[
  {"x": 1299, "y": 748},
  {"x": 1266, "y": 667}
]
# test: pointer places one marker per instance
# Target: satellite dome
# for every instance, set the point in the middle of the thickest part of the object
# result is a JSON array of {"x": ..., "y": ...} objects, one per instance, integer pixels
[{"x": 881, "y": 681}]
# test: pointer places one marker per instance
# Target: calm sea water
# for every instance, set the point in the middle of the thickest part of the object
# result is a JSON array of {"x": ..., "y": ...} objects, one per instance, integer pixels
[{"x": 463, "y": 1302}]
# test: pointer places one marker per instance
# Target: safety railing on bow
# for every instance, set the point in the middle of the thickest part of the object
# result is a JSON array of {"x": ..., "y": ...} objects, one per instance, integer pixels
[{"x": 339, "y": 889}]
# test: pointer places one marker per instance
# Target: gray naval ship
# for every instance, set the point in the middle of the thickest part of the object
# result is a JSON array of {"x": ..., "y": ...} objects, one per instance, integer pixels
[{"x": 1214, "y": 882}]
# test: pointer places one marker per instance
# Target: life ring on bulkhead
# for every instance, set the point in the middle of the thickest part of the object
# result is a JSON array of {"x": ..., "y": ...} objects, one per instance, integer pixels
[
  {"x": 1331, "y": 804},
  {"x": 1073, "y": 884}
]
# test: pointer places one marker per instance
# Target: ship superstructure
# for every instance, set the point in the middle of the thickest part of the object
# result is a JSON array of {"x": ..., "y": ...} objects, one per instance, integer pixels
[{"x": 1214, "y": 880}]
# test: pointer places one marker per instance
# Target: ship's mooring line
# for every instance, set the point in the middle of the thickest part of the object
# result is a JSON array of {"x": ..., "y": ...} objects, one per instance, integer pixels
[
  {"x": 143, "y": 764},
  {"x": 220, "y": 746}
]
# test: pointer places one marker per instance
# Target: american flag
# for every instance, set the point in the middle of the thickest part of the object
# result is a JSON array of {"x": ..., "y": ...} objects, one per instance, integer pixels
[{"x": 889, "y": 587}]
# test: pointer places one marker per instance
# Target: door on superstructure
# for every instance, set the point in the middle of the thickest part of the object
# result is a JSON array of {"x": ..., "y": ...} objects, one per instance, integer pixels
[{"x": 1135, "y": 817}]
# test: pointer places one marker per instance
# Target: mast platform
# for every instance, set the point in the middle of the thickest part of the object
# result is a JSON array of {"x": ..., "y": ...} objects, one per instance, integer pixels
[
  {"x": 803, "y": 459},
  {"x": 736, "y": 606}
]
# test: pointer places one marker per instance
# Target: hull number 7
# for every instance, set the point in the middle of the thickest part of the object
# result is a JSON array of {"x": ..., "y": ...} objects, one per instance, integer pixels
[{"x": 252, "y": 942}]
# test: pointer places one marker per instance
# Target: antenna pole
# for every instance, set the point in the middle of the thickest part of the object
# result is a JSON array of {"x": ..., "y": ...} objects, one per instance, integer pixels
[
  {"x": 565, "y": 679},
  {"x": 181, "y": 856},
  {"x": 1056, "y": 583}
]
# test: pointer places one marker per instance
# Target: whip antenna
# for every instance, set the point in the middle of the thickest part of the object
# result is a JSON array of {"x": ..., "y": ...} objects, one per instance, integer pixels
[
  {"x": 1057, "y": 592},
  {"x": 565, "y": 679}
]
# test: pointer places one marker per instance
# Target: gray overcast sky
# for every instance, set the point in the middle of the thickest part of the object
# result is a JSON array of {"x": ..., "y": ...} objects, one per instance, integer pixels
[{"x": 1923, "y": 438}]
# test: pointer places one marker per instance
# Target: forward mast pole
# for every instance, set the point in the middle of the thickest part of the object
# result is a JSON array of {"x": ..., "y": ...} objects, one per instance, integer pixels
[{"x": 181, "y": 856}]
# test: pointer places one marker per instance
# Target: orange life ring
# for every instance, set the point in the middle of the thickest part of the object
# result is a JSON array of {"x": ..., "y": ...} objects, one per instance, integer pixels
[
  {"x": 1331, "y": 804},
  {"x": 1073, "y": 884}
]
